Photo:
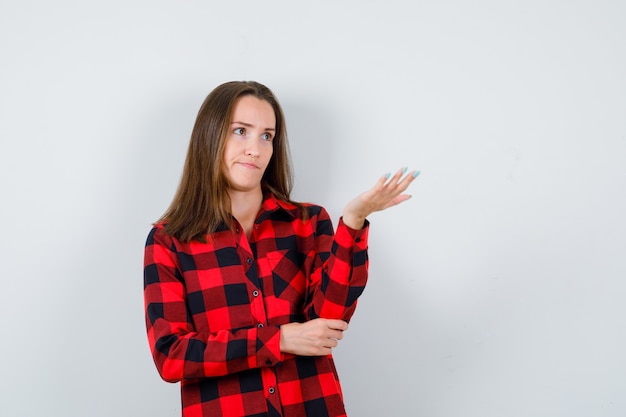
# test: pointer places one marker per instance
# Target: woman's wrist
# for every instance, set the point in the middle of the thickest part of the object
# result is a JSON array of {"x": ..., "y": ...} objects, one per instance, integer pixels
[{"x": 353, "y": 221}]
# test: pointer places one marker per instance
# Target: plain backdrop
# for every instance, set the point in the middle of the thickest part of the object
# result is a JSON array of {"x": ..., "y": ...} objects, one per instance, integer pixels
[{"x": 498, "y": 290}]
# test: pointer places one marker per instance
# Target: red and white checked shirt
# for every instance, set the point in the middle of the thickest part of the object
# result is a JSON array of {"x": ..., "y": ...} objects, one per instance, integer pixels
[{"x": 214, "y": 311}]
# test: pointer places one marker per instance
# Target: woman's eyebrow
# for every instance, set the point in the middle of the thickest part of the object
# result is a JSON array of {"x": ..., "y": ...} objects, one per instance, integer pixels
[{"x": 250, "y": 125}]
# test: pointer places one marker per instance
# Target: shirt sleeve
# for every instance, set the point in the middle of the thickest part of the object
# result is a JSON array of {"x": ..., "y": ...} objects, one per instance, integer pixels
[
  {"x": 179, "y": 351},
  {"x": 339, "y": 270}
]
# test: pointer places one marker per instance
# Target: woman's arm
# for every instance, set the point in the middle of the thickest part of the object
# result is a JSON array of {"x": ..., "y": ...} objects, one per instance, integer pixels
[
  {"x": 179, "y": 351},
  {"x": 339, "y": 272}
]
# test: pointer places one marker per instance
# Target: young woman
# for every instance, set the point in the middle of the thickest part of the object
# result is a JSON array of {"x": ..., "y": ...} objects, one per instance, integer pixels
[{"x": 247, "y": 292}]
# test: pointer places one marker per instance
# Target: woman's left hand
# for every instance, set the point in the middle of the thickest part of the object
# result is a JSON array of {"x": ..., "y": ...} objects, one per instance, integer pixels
[{"x": 387, "y": 192}]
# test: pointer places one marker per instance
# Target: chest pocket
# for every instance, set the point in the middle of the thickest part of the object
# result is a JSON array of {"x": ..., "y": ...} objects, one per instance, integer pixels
[{"x": 283, "y": 275}]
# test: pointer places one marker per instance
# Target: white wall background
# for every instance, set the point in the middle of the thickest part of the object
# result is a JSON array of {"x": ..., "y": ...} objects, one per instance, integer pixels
[{"x": 498, "y": 290}]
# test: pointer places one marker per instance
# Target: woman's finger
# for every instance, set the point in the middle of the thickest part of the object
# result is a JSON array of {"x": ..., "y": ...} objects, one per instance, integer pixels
[{"x": 396, "y": 177}]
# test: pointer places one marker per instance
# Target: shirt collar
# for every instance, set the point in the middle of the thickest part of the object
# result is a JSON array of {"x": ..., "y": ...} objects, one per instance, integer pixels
[{"x": 271, "y": 204}]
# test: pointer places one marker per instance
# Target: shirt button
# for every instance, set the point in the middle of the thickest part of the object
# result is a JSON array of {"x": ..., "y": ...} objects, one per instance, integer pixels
[
  {"x": 271, "y": 390},
  {"x": 260, "y": 325},
  {"x": 358, "y": 239},
  {"x": 255, "y": 293}
]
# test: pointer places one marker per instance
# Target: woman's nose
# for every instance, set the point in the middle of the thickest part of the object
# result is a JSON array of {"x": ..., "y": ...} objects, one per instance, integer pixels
[{"x": 252, "y": 148}]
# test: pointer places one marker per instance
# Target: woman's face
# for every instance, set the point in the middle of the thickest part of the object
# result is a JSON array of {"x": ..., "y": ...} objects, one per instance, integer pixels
[{"x": 249, "y": 146}]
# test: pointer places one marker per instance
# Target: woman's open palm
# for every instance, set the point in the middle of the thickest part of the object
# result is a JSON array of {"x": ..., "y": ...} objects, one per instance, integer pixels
[{"x": 388, "y": 192}]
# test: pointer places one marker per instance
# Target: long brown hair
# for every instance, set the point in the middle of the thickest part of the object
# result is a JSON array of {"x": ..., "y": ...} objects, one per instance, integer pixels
[{"x": 202, "y": 204}]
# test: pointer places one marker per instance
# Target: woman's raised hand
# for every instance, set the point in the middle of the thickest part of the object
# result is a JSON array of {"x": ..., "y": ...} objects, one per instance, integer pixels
[{"x": 388, "y": 192}]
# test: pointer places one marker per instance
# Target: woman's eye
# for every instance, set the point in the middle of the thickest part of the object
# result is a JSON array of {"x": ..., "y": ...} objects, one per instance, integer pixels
[
  {"x": 266, "y": 136},
  {"x": 239, "y": 131}
]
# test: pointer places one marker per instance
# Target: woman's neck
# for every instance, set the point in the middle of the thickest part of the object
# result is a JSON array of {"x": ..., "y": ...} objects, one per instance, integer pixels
[{"x": 245, "y": 206}]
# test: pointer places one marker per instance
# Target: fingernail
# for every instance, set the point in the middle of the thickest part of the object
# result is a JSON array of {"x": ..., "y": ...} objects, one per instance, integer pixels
[
  {"x": 416, "y": 173},
  {"x": 404, "y": 170},
  {"x": 387, "y": 175}
]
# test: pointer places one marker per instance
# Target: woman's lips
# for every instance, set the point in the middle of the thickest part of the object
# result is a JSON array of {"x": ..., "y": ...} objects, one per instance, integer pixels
[{"x": 248, "y": 165}]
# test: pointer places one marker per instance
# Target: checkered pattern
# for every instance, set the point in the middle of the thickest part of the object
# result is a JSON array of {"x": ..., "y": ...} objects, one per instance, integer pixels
[{"x": 214, "y": 311}]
